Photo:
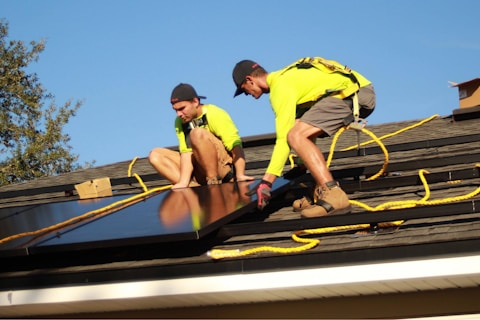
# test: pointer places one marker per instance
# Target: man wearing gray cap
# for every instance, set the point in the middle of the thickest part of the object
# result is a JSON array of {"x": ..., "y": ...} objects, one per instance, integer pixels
[{"x": 210, "y": 148}]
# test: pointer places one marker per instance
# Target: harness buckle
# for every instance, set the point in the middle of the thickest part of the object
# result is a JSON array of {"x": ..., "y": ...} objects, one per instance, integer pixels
[{"x": 357, "y": 124}]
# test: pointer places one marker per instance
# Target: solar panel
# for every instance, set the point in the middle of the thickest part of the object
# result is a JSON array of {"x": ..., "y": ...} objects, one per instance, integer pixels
[
  {"x": 171, "y": 215},
  {"x": 17, "y": 220}
]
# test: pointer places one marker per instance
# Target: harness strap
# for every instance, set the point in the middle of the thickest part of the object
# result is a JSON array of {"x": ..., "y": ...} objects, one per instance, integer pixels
[
  {"x": 351, "y": 90},
  {"x": 229, "y": 175},
  {"x": 333, "y": 66},
  {"x": 356, "y": 106},
  {"x": 187, "y": 127},
  {"x": 202, "y": 122}
]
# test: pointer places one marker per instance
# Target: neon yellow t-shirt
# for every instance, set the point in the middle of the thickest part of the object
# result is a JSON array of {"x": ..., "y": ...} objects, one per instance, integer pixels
[
  {"x": 289, "y": 89},
  {"x": 219, "y": 123}
]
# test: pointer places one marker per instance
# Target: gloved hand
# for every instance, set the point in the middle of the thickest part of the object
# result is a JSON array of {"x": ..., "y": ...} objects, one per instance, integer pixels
[{"x": 262, "y": 189}]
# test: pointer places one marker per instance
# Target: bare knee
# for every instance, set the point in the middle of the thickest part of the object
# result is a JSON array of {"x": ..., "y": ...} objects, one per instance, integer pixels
[
  {"x": 300, "y": 133},
  {"x": 198, "y": 135},
  {"x": 293, "y": 138},
  {"x": 156, "y": 156}
]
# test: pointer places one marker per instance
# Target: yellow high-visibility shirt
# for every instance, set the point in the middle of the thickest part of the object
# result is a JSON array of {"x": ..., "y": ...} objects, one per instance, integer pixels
[{"x": 219, "y": 123}]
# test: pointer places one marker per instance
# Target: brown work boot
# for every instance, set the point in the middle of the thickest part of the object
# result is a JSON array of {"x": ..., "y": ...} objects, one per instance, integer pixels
[
  {"x": 330, "y": 200},
  {"x": 300, "y": 204},
  {"x": 214, "y": 180}
]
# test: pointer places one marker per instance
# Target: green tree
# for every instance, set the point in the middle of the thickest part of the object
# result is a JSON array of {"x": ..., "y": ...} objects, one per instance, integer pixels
[{"x": 32, "y": 144}]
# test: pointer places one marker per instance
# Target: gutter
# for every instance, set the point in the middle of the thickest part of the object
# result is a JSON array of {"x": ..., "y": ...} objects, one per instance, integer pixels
[{"x": 290, "y": 285}]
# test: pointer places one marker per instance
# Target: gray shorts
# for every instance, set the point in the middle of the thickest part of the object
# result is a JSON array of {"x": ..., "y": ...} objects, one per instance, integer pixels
[{"x": 330, "y": 114}]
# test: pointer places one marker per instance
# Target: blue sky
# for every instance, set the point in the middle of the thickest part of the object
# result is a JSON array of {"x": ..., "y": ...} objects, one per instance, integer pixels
[{"x": 123, "y": 58}]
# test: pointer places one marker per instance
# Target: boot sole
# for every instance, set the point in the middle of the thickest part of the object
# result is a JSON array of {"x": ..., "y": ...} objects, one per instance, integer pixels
[{"x": 340, "y": 211}]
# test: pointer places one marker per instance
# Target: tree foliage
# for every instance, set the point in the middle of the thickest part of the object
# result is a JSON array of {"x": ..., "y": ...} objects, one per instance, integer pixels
[{"x": 32, "y": 144}]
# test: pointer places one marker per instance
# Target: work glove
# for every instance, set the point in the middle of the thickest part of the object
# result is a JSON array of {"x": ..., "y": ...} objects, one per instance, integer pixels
[{"x": 262, "y": 189}]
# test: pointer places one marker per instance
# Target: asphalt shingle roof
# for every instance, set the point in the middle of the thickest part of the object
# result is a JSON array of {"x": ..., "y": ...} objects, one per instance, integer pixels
[{"x": 446, "y": 148}]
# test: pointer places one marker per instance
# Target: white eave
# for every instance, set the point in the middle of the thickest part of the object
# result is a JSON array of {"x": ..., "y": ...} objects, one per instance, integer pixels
[{"x": 291, "y": 285}]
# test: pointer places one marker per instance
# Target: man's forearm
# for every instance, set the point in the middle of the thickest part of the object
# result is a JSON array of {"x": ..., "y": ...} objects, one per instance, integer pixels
[{"x": 239, "y": 162}]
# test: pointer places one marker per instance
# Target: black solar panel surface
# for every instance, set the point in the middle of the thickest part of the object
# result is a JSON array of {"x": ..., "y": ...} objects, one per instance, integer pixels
[{"x": 171, "y": 215}]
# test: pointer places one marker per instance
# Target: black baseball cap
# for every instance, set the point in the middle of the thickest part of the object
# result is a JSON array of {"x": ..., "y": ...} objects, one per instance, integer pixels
[
  {"x": 241, "y": 70},
  {"x": 184, "y": 92}
]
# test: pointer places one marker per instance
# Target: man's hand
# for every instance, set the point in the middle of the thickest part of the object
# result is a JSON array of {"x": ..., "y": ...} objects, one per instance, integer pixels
[
  {"x": 179, "y": 185},
  {"x": 263, "y": 191},
  {"x": 244, "y": 178}
]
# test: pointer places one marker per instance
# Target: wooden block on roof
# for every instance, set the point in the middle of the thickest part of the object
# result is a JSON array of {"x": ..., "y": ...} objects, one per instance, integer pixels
[{"x": 95, "y": 188}]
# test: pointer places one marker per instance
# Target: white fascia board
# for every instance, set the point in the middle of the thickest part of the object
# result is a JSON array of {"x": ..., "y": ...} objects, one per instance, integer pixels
[{"x": 389, "y": 272}]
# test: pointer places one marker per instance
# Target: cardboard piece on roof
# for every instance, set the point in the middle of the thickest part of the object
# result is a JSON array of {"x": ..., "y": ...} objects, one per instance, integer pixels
[{"x": 95, "y": 188}]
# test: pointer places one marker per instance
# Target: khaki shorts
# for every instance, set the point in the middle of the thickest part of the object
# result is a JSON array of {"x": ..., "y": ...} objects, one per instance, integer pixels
[
  {"x": 329, "y": 114},
  {"x": 224, "y": 164}
]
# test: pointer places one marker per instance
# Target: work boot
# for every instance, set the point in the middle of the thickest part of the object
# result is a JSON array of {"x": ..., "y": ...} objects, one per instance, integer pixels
[
  {"x": 300, "y": 204},
  {"x": 330, "y": 200},
  {"x": 214, "y": 180}
]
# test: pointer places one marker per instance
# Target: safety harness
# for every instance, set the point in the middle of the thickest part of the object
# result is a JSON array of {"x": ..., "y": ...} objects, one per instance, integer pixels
[
  {"x": 203, "y": 122},
  {"x": 330, "y": 66},
  {"x": 189, "y": 126}
]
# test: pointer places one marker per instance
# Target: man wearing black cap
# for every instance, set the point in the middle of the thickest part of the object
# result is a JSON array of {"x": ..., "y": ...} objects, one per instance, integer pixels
[
  {"x": 311, "y": 98},
  {"x": 210, "y": 148}
]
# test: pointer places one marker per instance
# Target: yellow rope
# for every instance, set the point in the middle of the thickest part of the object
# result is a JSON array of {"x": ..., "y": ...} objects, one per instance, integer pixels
[
  {"x": 385, "y": 152},
  {"x": 144, "y": 187},
  {"x": 292, "y": 160},
  {"x": 220, "y": 254},
  {"x": 424, "y": 201},
  {"x": 130, "y": 166},
  {"x": 374, "y": 138},
  {"x": 394, "y": 133},
  {"x": 332, "y": 145},
  {"x": 400, "y": 204},
  {"x": 109, "y": 208}
]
